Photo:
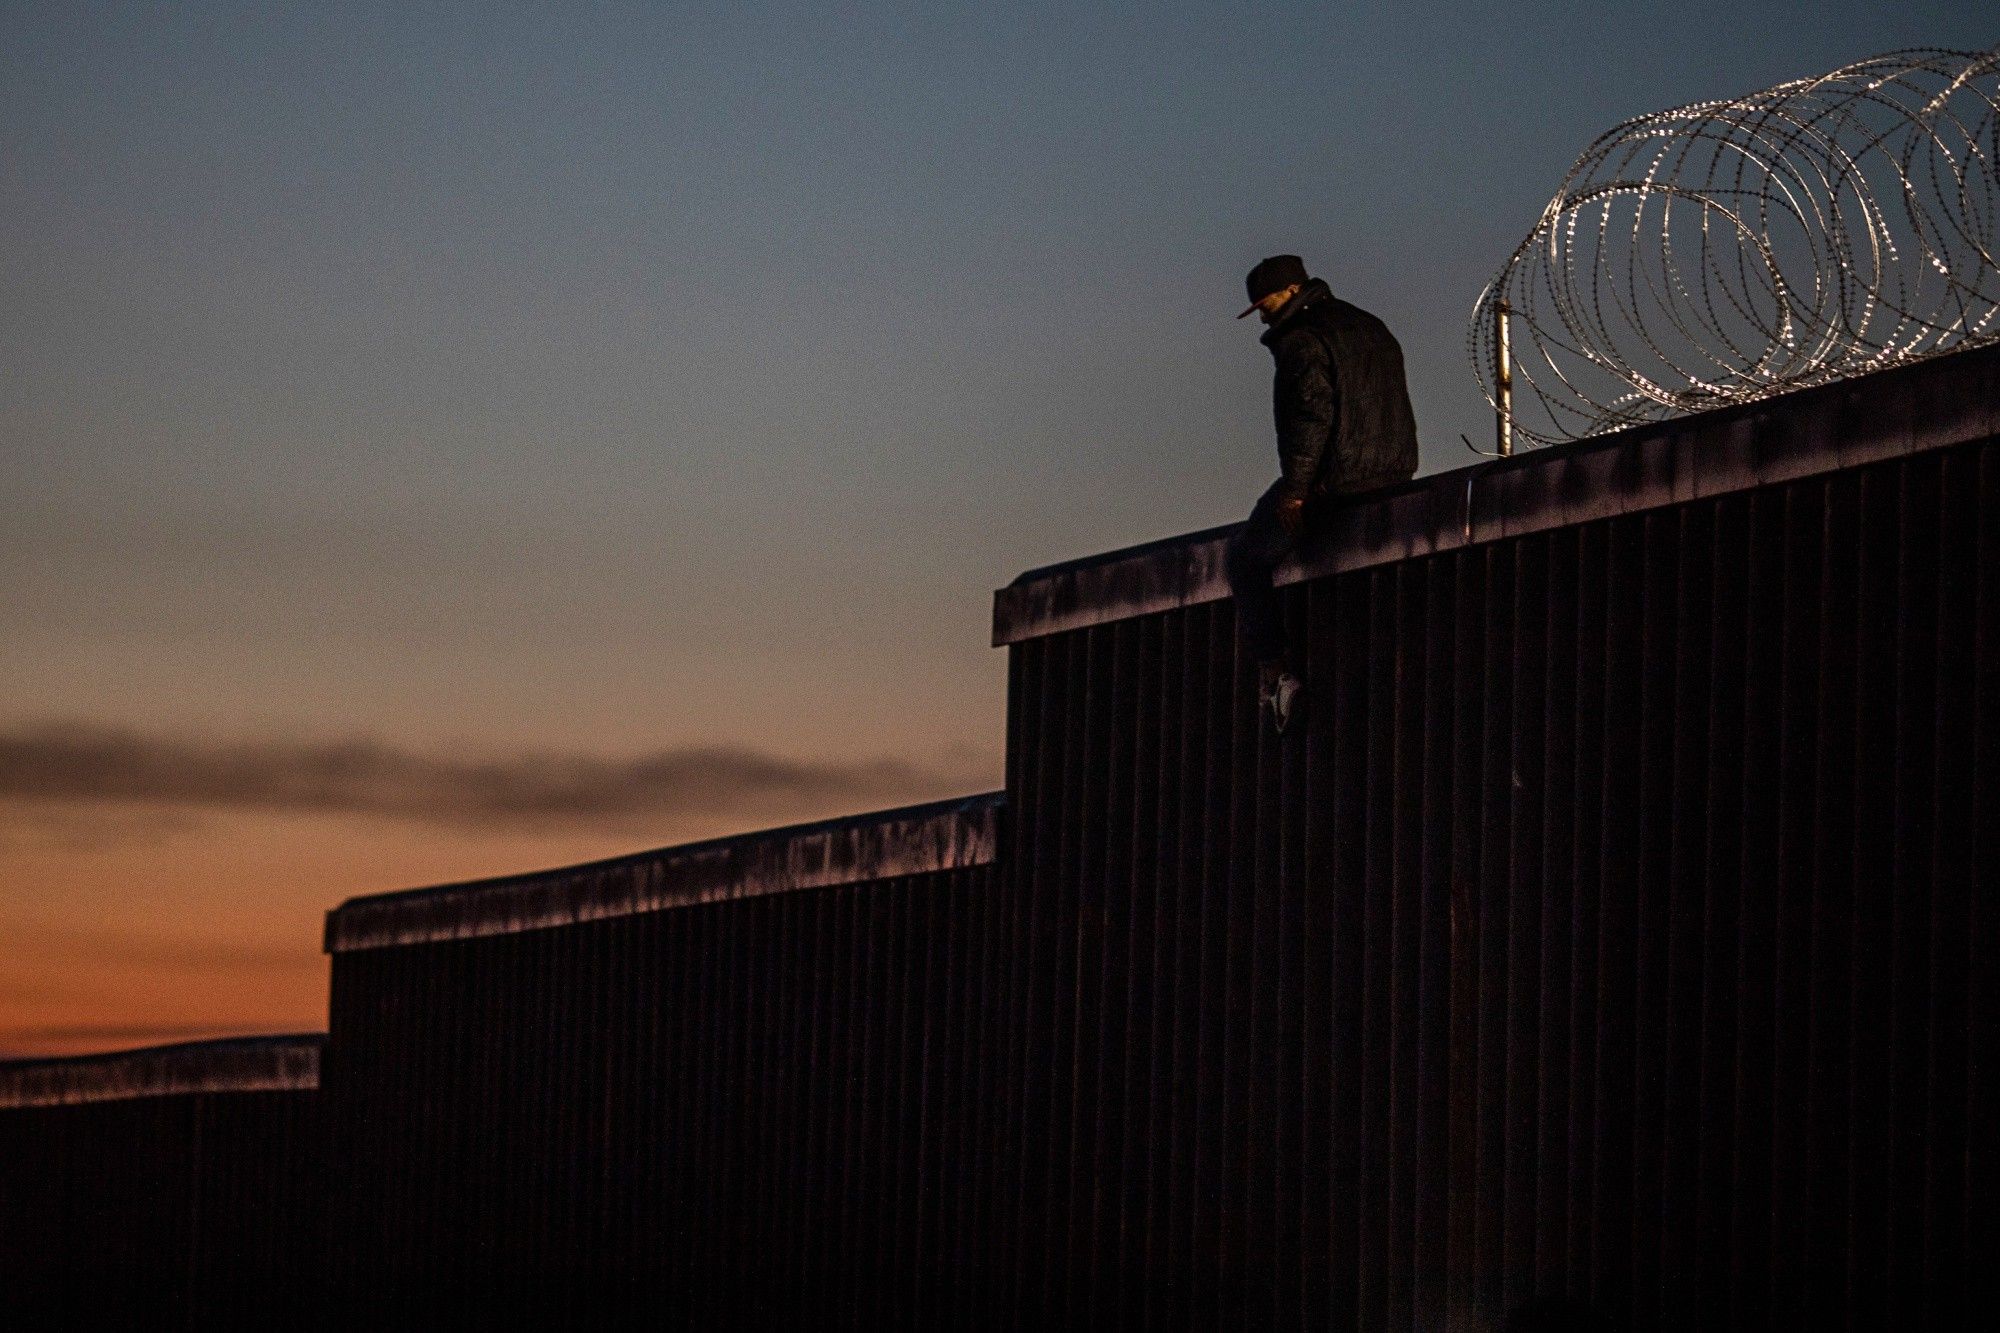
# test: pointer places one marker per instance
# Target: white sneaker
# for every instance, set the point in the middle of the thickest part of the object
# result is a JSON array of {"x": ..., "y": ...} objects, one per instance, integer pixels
[{"x": 1278, "y": 698}]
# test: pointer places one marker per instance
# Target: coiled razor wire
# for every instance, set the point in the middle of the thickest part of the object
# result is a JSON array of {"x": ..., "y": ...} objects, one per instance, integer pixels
[{"x": 1725, "y": 251}]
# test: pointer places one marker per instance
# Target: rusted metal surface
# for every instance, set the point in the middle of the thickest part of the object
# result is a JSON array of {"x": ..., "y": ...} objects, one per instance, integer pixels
[
  {"x": 237, "y": 1064},
  {"x": 171, "y": 1188},
  {"x": 1813, "y": 432},
  {"x": 913, "y": 840}
]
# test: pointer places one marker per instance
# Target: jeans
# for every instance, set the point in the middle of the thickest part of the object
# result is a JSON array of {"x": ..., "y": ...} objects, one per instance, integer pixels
[{"x": 1254, "y": 550}]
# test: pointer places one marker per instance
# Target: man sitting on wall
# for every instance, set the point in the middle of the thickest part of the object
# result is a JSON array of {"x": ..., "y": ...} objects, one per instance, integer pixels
[{"x": 1344, "y": 426}]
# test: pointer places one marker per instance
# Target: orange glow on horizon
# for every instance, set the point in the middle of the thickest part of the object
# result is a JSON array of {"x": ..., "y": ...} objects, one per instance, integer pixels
[{"x": 139, "y": 938}]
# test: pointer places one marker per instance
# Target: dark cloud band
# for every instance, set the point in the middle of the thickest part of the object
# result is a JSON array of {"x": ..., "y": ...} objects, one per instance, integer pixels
[{"x": 73, "y": 763}]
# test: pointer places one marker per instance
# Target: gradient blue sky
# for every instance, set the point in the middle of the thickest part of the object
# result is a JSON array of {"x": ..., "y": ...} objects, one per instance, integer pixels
[{"x": 612, "y": 379}]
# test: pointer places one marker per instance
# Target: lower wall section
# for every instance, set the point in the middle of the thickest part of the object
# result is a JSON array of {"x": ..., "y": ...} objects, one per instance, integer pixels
[
  {"x": 757, "y": 1113},
  {"x": 192, "y": 1210}
]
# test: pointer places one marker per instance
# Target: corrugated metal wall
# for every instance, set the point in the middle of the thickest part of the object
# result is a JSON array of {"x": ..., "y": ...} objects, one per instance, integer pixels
[
  {"x": 751, "y": 1113},
  {"x": 1616, "y": 932},
  {"x": 182, "y": 1210},
  {"x": 1612, "y": 942}
]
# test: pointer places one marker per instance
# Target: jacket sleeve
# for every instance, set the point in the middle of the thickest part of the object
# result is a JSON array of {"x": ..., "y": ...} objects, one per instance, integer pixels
[{"x": 1307, "y": 410}]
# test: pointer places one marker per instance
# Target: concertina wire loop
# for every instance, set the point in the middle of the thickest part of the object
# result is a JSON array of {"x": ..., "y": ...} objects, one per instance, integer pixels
[{"x": 1725, "y": 251}]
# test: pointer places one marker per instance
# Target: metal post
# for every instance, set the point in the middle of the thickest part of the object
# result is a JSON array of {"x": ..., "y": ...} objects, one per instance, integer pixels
[{"x": 1503, "y": 378}]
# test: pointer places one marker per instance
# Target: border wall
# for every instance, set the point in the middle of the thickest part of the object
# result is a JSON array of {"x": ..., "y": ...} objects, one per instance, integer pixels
[
  {"x": 1611, "y": 946},
  {"x": 722, "y": 1085},
  {"x": 173, "y": 1187}
]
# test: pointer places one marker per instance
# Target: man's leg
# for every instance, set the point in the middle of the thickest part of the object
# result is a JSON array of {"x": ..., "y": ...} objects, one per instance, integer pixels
[{"x": 1254, "y": 551}]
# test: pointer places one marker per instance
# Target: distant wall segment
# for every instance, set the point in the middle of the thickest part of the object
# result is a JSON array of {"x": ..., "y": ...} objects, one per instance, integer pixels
[
  {"x": 727, "y": 1085},
  {"x": 177, "y": 1186},
  {"x": 913, "y": 840},
  {"x": 235, "y": 1064}
]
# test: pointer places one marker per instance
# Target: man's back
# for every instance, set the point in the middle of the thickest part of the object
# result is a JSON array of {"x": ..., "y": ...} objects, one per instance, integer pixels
[{"x": 1374, "y": 442}]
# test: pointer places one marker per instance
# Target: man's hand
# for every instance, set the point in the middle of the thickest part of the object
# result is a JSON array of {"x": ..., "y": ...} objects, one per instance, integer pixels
[{"x": 1291, "y": 515}]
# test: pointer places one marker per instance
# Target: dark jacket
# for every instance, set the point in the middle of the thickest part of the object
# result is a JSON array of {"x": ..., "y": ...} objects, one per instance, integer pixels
[{"x": 1342, "y": 406}]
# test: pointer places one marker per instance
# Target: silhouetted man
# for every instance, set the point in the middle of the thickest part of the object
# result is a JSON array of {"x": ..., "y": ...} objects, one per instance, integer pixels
[{"x": 1344, "y": 426}]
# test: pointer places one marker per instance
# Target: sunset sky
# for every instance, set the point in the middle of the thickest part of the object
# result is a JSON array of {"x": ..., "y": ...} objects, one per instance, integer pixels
[{"x": 446, "y": 440}]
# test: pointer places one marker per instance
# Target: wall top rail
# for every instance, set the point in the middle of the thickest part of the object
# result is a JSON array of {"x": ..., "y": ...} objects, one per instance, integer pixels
[
  {"x": 234, "y": 1064},
  {"x": 1929, "y": 404},
  {"x": 910, "y": 840}
]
